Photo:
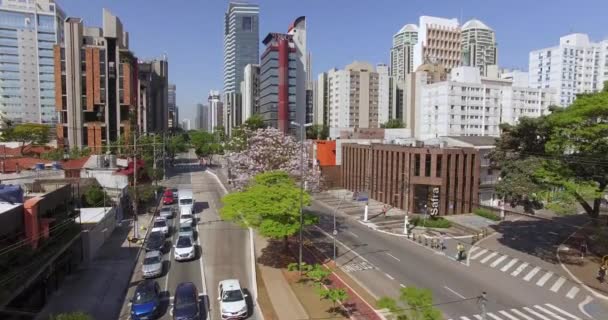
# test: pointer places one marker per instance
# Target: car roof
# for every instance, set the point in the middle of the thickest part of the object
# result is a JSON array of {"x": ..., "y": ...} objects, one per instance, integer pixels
[
  {"x": 230, "y": 284},
  {"x": 160, "y": 219},
  {"x": 185, "y": 288},
  {"x": 147, "y": 284},
  {"x": 185, "y": 225},
  {"x": 157, "y": 234},
  {"x": 152, "y": 254}
]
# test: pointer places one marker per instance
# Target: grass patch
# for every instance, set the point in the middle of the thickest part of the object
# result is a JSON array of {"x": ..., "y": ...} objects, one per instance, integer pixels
[
  {"x": 431, "y": 222},
  {"x": 486, "y": 214}
]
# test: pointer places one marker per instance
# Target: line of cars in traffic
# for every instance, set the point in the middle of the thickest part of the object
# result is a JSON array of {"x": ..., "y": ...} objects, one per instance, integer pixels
[{"x": 146, "y": 300}]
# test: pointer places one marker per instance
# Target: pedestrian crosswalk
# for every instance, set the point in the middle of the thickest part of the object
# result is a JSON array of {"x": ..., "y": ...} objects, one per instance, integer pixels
[
  {"x": 529, "y": 273},
  {"x": 537, "y": 312}
]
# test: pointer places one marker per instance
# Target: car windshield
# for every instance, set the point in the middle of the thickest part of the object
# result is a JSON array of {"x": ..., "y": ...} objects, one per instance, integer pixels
[
  {"x": 155, "y": 236},
  {"x": 184, "y": 242},
  {"x": 186, "y": 216},
  {"x": 152, "y": 260},
  {"x": 232, "y": 296},
  {"x": 160, "y": 224},
  {"x": 143, "y": 296},
  {"x": 185, "y": 302},
  {"x": 185, "y": 201},
  {"x": 185, "y": 229}
]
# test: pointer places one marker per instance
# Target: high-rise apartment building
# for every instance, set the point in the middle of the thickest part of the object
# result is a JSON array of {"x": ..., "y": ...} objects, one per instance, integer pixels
[
  {"x": 173, "y": 115},
  {"x": 28, "y": 32},
  {"x": 352, "y": 96},
  {"x": 478, "y": 46},
  {"x": 575, "y": 66},
  {"x": 202, "y": 117},
  {"x": 216, "y": 111},
  {"x": 402, "y": 52},
  {"x": 186, "y": 124},
  {"x": 439, "y": 41},
  {"x": 384, "y": 83},
  {"x": 96, "y": 84},
  {"x": 283, "y": 77},
  {"x": 153, "y": 113},
  {"x": 250, "y": 91},
  {"x": 321, "y": 106},
  {"x": 471, "y": 105}
]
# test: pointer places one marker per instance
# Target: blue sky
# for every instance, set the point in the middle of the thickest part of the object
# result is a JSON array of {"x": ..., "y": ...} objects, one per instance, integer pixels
[{"x": 339, "y": 31}]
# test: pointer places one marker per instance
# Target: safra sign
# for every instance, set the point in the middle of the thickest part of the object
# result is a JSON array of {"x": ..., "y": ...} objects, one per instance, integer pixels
[{"x": 435, "y": 201}]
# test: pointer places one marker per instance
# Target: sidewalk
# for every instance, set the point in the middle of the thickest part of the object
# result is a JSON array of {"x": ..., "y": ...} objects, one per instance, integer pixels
[{"x": 99, "y": 287}]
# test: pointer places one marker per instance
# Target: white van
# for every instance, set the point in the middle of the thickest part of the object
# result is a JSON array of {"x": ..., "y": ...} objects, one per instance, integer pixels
[{"x": 185, "y": 200}]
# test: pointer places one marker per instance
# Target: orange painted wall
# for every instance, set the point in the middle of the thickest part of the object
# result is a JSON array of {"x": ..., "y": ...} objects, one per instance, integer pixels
[
  {"x": 30, "y": 215},
  {"x": 326, "y": 152}
]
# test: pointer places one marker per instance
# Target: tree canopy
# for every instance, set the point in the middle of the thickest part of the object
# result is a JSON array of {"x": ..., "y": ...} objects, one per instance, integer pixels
[
  {"x": 27, "y": 133},
  {"x": 268, "y": 150},
  {"x": 270, "y": 204},
  {"x": 413, "y": 304},
  {"x": 559, "y": 159},
  {"x": 205, "y": 144},
  {"x": 317, "y": 131},
  {"x": 393, "y": 124}
]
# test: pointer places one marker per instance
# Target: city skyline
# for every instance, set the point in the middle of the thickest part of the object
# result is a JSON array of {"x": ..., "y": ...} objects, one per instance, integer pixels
[{"x": 205, "y": 56}]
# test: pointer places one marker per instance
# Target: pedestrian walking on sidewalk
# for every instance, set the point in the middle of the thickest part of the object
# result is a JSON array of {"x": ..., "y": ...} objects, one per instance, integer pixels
[
  {"x": 442, "y": 241},
  {"x": 583, "y": 248},
  {"x": 601, "y": 274},
  {"x": 384, "y": 210},
  {"x": 460, "y": 250}
]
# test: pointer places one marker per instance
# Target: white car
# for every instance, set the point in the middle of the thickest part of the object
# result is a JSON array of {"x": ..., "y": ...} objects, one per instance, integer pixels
[
  {"x": 232, "y": 299},
  {"x": 185, "y": 217},
  {"x": 184, "y": 249},
  {"x": 160, "y": 224}
]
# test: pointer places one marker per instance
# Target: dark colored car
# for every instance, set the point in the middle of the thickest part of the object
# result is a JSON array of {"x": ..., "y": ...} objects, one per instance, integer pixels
[
  {"x": 185, "y": 302},
  {"x": 156, "y": 241},
  {"x": 145, "y": 302}
]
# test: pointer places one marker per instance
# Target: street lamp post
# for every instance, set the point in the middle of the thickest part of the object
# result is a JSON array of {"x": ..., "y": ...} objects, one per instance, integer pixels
[{"x": 302, "y": 129}]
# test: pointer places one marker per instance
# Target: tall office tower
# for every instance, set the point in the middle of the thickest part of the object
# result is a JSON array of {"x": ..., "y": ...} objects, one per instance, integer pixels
[
  {"x": 439, "y": 41},
  {"x": 96, "y": 84},
  {"x": 352, "y": 96},
  {"x": 575, "y": 66},
  {"x": 172, "y": 116},
  {"x": 202, "y": 117},
  {"x": 283, "y": 77},
  {"x": 153, "y": 114},
  {"x": 250, "y": 91},
  {"x": 402, "y": 52},
  {"x": 310, "y": 100},
  {"x": 383, "y": 93},
  {"x": 321, "y": 107},
  {"x": 241, "y": 47},
  {"x": 28, "y": 32},
  {"x": 478, "y": 46},
  {"x": 216, "y": 111}
]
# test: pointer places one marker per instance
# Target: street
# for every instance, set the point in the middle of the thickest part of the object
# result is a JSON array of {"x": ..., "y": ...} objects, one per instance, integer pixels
[
  {"x": 383, "y": 263},
  {"x": 222, "y": 248}
]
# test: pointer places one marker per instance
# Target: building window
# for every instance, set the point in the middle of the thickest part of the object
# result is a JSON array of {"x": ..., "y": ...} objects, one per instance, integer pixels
[
  {"x": 416, "y": 165},
  {"x": 427, "y": 165},
  {"x": 247, "y": 24},
  {"x": 438, "y": 166}
]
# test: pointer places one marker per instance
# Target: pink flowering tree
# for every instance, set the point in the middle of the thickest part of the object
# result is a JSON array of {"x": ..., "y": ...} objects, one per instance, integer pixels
[{"x": 270, "y": 150}]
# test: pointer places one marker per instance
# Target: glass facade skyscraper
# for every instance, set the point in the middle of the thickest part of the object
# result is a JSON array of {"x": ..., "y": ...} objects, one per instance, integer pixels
[
  {"x": 28, "y": 31},
  {"x": 241, "y": 42}
]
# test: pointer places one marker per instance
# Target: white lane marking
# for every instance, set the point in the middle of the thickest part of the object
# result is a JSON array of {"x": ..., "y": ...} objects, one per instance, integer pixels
[
  {"x": 581, "y": 306},
  {"x": 521, "y": 314},
  {"x": 536, "y": 313},
  {"x": 506, "y": 314},
  {"x": 478, "y": 317},
  {"x": 473, "y": 249},
  {"x": 454, "y": 292},
  {"x": 464, "y": 318},
  {"x": 558, "y": 284},
  {"x": 494, "y": 316},
  {"x": 489, "y": 257},
  {"x": 479, "y": 254},
  {"x": 345, "y": 246},
  {"x": 402, "y": 285},
  {"x": 531, "y": 274},
  {"x": 572, "y": 293},
  {"x": 519, "y": 269},
  {"x": 549, "y": 313},
  {"x": 352, "y": 234},
  {"x": 389, "y": 276},
  {"x": 498, "y": 261},
  {"x": 541, "y": 282},
  {"x": 509, "y": 265},
  {"x": 392, "y": 256}
]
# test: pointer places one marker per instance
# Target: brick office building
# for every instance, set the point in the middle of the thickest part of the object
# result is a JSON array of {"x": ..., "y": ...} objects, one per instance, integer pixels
[{"x": 439, "y": 181}]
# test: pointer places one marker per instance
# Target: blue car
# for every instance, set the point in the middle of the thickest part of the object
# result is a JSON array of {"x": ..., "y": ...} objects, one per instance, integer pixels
[
  {"x": 185, "y": 302},
  {"x": 146, "y": 300}
]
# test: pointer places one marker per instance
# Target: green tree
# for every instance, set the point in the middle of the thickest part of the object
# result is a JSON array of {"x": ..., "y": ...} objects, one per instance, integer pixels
[
  {"x": 94, "y": 196},
  {"x": 72, "y": 316},
  {"x": 255, "y": 122},
  {"x": 55, "y": 155},
  {"x": 220, "y": 133},
  {"x": 413, "y": 304},
  {"x": 205, "y": 144},
  {"x": 27, "y": 133},
  {"x": 176, "y": 144},
  {"x": 317, "y": 131},
  {"x": 335, "y": 295},
  {"x": 560, "y": 158},
  {"x": 270, "y": 204},
  {"x": 393, "y": 124}
]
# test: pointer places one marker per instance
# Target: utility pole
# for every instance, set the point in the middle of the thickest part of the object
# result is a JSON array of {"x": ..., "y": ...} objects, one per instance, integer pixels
[
  {"x": 301, "y": 194},
  {"x": 135, "y": 224},
  {"x": 483, "y": 299}
]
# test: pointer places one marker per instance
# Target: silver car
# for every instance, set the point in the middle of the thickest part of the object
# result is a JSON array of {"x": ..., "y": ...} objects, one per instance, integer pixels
[
  {"x": 186, "y": 230},
  {"x": 166, "y": 212},
  {"x": 153, "y": 264}
]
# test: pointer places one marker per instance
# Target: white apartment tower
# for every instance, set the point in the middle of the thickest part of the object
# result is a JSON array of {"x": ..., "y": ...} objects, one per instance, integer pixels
[
  {"x": 575, "y": 66},
  {"x": 250, "y": 91},
  {"x": 352, "y": 96},
  {"x": 384, "y": 82},
  {"x": 402, "y": 52},
  {"x": 439, "y": 41},
  {"x": 478, "y": 46},
  {"x": 216, "y": 111}
]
